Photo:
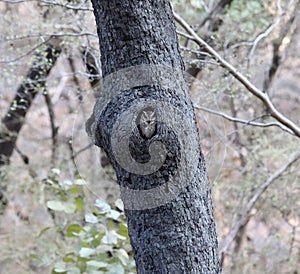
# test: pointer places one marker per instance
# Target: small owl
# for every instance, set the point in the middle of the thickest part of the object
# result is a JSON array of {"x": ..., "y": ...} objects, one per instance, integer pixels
[{"x": 146, "y": 122}]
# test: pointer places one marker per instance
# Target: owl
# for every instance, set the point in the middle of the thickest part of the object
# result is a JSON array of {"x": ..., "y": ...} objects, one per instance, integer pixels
[{"x": 146, "y": 122}]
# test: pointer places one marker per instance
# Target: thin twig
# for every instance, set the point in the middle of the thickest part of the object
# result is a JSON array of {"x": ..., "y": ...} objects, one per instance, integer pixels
[
  {"x": 241, "y": 78},
  {"x": 52, "y": 3},
  {"x": 268, "y": 30},
  {"x": 27, "y": 53},
  {"x": 276, "y": 60},
  {"x": 254, "y": 42},
  {"x": 75, "y": 154},
  {"x": 242, "y": 121},
  {"x": 49, "y": 34},
  {"x": 24, "y": 157},
  {"x": 255, "y": 197}
]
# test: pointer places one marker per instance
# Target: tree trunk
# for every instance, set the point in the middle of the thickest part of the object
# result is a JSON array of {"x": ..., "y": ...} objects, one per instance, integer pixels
[
  {"x": 15, "y": 116},
  {"x": 146, "y": 124}
]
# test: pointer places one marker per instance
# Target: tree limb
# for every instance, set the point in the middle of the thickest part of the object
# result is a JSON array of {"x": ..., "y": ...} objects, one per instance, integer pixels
[
  {"x": 34, "y": 81},
  {"x": 269, "y": 29},
  {"x": 242, "y": 121},
  {"x": 52, "y": 3},
  {"x": 241, "y": 78},
  {"x": 214, "y": 15},
  {"x": 54, "y": 128},
  {"x": 255, "y": 197},
  {"x": 276, "y": 60}
]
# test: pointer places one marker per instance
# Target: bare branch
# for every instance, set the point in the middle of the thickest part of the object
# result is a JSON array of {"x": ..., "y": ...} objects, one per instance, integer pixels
[
  {"x": 214, "y": 15},
  {"x": 27, "y": 53},
  {"x": 241, "y": 78},
  {"x": 183, "y": 34},
  {"x": 49, "y": 34},
  {"x": 268, "y": 30},
  {"x": 255, "y": 197},
  {"x": 75, "y": 154},
  {"x": 276, "y": 60},
  {"x": 198, "y": 52},
  {"x": 35, "y": 79},
  {"x": 246, "y": 122},
  {"x": 279, "y": 6},
  {"x": 254, "y": 42},
  {"x": 52, "y": 3},
  {"x": 24, "y": 157}
]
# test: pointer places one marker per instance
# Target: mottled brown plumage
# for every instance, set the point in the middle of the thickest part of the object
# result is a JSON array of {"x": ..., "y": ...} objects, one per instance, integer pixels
[{"x": 146, "y": 122}]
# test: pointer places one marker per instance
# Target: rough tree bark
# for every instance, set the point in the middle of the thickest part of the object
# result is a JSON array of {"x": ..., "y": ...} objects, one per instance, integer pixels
[
  {"x": 177, "y": 236},
  {"x": 15, "y": 116}
]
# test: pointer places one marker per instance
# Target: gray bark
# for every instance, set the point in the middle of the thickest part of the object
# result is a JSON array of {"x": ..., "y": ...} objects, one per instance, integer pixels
[
  {"x": 15, "y": 116},
  {"x": 14, "y": 119},
  {"x": 178, "y": 236}
]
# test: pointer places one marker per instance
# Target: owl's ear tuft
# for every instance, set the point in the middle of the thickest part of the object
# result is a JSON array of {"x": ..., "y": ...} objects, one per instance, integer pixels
[{"x": 142, "y": 112}]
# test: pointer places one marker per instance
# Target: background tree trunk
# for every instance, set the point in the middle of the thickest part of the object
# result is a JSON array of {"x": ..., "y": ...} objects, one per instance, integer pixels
[
  {"x": 178, "y": 236},
  {"x": 15, "y": 116}
]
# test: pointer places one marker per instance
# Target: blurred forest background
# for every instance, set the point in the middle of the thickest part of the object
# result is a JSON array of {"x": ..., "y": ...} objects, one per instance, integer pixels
[{"x": 60, "y": 211}]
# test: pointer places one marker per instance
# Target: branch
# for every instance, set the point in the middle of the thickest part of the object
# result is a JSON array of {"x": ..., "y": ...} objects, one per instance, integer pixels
[
  {"x": 75, "y": 154},
  {"x": 35, "y": 79},
  {"x": 27, "y": 53},
  {"x": 276, "y": 60},
  {"x": 241, "y": 78},
  {"x": 53, "y": 3},
  {"x": 253, "y": 43},
  {"x": 242, "y": 121},
  {"x": 24, "y": 157},
  {"x": 214, "y": 15},
  {"x": 257, "y": 194},
  {"x": 50, "y": 34},
  {"x": 268, "y": 30},
  {"x": 54, "y": 128}
]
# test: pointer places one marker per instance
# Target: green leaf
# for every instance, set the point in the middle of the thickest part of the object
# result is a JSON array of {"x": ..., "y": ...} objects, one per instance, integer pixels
[
  {"x": 123, "y": 230},
  {"x": 86, "y": 252},
  {"x": 68, "y": 260},
  {"x": 74, "y": 190},
  {"x": 116, "y": 269},
  {"x": 254, "y": 5},
  {"x": 44, "y": 230},
  {"x": 110, "y": 238},
  {"x": 55, "y": 171},
  {"x": 34, "y": 256},
  {"x": 67, "y": 207},
  {"x": 113, "y": 214},
  {"x": 244, "y": 13},
  {"x": 59, "y": 268},
  {"x": 80, "y": 182},
  {"x": 123, "y": 256},
  {"x": 92, "y": 264},
  {"x": 73, "y": 270},
  {"x": 103, "y": 206},
  {"x": 55, "y": 205},
  {"x": 91, "y": 218},
  {"x": 73, "y": 230},
  {"x": 79, "y": 203},
  {"x": 119, "y": 204},
  {"x": 67, "y": 183}
]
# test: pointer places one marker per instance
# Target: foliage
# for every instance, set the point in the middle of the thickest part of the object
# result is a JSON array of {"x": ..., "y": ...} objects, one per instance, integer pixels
[
  {"x": 100, "y": 242},
  {"x": 80, "y": 234}
]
